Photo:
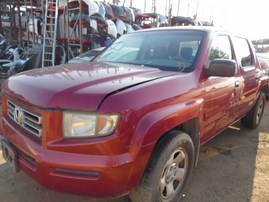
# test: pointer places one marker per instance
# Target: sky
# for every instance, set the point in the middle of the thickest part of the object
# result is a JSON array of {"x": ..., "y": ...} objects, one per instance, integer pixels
[{"x": 248, "y": 18}]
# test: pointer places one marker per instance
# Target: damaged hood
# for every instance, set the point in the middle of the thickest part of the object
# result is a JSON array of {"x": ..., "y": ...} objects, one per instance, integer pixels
[{"x": 77, "y": 86}]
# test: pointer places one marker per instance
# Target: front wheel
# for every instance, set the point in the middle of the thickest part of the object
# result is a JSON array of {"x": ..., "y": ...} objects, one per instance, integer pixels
[{"x": 168, "y": 170}]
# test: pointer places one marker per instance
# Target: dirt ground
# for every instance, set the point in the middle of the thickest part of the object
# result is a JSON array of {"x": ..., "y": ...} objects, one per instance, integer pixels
[{"x": 234, "y": 166}]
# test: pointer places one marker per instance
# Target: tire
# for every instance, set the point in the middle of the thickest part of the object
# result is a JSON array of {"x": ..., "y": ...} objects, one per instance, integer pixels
[
  {"x": 168, "y": 170},
  {"x": 254, "y": 116}
]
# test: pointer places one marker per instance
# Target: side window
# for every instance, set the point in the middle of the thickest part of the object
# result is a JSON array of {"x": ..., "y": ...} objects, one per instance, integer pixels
[
  {"x": 243, "y": 53},
  {"x": 220, "y": 48}
]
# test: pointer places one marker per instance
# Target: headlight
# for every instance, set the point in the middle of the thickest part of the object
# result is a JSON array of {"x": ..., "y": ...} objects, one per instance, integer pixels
[{"x": 82, "y": 124}]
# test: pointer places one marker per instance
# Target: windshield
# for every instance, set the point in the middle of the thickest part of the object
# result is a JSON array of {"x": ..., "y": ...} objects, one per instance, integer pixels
[{"x": 173, "y": 50}]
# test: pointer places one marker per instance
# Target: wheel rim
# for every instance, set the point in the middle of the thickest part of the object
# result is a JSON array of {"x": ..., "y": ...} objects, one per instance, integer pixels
[
  {"x": 173, "y": 174},
  {"x": 259, "y": 113}
]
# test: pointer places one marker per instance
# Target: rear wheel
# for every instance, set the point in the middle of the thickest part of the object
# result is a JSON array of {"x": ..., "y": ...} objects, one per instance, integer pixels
[
  {"x": 168, "y": 170},
  {"x": 253, "y": 117}
]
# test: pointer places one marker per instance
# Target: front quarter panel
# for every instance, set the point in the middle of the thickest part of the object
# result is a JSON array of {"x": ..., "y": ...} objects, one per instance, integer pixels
[
  {"x": 156, "y": 123},
  {"x": 153, "y": 126}
]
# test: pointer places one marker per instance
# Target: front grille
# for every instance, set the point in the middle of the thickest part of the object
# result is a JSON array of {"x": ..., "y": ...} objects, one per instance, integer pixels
[{"x": 31, "y": 122}]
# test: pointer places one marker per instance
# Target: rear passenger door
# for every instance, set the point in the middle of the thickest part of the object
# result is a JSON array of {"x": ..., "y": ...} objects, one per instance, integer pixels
[{"x": 249, "y": 81}]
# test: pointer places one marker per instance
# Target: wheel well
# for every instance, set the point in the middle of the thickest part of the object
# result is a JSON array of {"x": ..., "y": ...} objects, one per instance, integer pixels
[{"x": 191, "y": 127}]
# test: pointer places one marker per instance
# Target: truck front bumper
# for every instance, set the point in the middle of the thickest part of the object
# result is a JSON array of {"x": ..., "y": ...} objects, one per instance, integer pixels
[{"x": 93, "y": 175}]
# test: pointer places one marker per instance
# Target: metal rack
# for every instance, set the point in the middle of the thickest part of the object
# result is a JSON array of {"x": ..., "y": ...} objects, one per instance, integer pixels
[
  {"x": 31, "y": 37},
  {"x": 153, "y": 6},
  {"x": 64, "y": 29},
  {"x": 9, "y": 27},
  {"x": 75, "y": 41}
]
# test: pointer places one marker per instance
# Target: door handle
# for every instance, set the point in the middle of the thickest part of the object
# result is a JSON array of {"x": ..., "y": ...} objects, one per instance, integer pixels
[{"x": 236, "y": 84}]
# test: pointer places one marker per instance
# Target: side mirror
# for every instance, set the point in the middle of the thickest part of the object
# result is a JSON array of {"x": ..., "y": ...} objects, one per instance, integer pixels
[{"x": 222, "y": 67}]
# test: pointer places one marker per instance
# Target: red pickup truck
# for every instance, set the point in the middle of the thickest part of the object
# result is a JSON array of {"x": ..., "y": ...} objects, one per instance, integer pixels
[{"x": 133, "y": 120}]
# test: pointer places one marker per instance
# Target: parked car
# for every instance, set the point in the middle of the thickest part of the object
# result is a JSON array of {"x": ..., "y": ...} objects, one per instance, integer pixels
[
  {"x": 183, "y": 21},
  {"x": 132, "y": 120},
  {"x": 150, "y": 20}
]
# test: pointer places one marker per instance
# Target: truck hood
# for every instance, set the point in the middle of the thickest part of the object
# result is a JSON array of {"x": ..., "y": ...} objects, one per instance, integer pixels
[{"x": 77, "y": 86}]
